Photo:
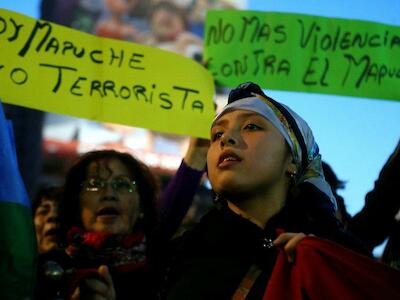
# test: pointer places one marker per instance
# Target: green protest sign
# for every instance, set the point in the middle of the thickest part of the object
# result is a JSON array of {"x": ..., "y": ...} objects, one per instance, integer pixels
[{"x": 304, "y": 53}]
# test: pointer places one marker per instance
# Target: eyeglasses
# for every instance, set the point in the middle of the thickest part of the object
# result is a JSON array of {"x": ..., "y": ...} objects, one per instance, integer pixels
[{"x": 119, "y": 185}]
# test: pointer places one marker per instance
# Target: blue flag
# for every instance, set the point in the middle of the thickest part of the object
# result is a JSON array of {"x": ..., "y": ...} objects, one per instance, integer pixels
[{"x": 18, "y": 250}]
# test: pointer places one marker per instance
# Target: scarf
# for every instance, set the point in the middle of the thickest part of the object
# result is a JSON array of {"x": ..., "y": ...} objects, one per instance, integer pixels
[
  {"x": 292, "y": 127},
  {"x": 91, "y": 249}
]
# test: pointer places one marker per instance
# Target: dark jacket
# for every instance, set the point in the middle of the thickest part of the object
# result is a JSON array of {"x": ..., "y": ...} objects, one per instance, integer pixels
[{"x": 211, "y": 261}]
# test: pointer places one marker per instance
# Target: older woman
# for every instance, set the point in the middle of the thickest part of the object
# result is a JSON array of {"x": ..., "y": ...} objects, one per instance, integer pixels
[
  {"x": 45, "y": 218},
  {"x": 265, "y": 169},
  {"x": 112, "y": 229},
  {"x": 107, "y": 213}
]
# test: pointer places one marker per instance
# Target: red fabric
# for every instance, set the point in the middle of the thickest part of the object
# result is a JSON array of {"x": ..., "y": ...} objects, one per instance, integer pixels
[
  {"x": 325, "y": 270},
  {"x": 77, "y": 237}
]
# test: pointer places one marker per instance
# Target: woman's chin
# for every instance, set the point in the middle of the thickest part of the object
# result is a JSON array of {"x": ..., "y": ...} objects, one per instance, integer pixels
[{"x": 113, "y": 228}]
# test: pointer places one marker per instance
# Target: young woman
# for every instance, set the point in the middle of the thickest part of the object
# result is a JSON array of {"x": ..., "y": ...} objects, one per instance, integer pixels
[{"x": 265, "y": 169}]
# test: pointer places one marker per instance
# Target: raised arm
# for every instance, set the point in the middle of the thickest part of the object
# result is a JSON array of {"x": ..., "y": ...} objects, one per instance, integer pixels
[
  {"x": 373, "y": 223},
  {"x": 177, "y": 197}
]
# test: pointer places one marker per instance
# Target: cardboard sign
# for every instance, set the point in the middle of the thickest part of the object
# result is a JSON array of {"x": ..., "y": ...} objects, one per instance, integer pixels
[
  {"x": 304, "y": 53},
  {"x": 56, "y": 69}
]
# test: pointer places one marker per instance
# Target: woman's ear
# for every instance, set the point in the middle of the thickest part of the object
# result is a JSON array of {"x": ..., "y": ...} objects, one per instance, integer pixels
[{"x": 291, "y": 170}]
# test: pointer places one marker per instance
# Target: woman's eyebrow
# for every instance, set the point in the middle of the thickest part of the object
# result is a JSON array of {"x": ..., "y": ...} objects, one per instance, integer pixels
[{"x": 222, "y": 121}]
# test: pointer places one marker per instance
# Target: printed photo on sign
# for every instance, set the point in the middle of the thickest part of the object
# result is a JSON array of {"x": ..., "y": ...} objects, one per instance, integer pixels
[{"x": 176, "y": 26}]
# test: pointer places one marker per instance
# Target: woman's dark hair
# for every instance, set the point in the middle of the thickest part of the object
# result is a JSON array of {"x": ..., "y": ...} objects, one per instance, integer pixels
[
  {"x": 145, "y": 180},
  {"x": 53, "y": 193},
  {"x": 308, "y": 210},
  {"x": 331, "y": 178}
]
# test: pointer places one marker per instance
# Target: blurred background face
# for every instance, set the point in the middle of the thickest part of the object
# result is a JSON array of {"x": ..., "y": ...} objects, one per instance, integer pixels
[
  {"x": 166, "y": 25},
  {"x": 247, "y": 155},
  {"x": 119, "y": 7},
  {"x": 109, "y": 201},
  {"x": 46, "y": 225}
]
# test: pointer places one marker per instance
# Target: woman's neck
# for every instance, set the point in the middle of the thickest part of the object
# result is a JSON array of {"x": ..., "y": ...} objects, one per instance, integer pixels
[{"x": 258, "y": 209}]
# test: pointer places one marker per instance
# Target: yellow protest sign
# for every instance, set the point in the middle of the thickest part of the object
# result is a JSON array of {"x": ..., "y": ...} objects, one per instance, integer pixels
[{"x": 56, "y": 69}]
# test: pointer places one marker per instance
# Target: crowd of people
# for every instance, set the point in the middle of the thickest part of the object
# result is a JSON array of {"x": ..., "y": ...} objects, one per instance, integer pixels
[{"x": 277, "y": 229}]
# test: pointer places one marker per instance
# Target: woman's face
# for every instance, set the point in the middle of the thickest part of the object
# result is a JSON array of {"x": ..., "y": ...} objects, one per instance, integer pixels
[
  {"x": 109, "y": 201},
  {"x": 46, "y": 225},
  {"x": 247, "y": 155},
  {"x": 166, "y": 25}
]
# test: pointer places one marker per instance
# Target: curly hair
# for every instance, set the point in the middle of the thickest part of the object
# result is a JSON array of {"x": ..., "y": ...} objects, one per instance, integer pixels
[{"x": 147, "y": 188}]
